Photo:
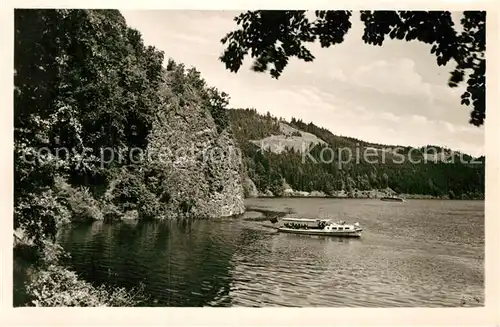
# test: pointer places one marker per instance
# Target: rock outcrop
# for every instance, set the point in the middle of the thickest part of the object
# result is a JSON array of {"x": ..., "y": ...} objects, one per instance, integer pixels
[
  {"x": 290, "y": 138},
  {"x": 200, "y": 165}
]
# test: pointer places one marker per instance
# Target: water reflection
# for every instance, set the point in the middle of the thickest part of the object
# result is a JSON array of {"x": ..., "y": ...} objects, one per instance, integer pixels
[{"x": 178, "y": 264}]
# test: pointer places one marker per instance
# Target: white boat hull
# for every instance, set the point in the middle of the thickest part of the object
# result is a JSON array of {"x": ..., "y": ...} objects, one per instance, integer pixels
[{"x": 321, "y": 232}]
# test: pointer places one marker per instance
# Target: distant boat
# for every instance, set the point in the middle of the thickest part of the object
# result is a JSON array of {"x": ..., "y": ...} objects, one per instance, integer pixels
[
  {"x": 324, "y": 227},
  {"x": 392, "y": 198}
]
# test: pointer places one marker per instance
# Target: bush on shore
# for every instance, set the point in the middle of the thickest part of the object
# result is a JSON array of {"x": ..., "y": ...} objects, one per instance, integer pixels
[{"x": 57, "y": 286}]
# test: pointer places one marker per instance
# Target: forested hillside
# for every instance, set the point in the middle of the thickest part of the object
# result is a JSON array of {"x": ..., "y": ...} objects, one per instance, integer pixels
[
  {"x": 95, "y": 111},
  {"x": 442, "y": 175},
  {"x": 103, "y": 131}
]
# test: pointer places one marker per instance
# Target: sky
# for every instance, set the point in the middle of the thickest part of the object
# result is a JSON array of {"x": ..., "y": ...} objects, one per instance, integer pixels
[{"x": 395, "y": 94}]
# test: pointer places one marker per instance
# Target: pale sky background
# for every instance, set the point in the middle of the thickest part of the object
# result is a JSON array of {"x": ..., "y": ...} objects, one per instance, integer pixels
[{"x": 395, "y": 94}]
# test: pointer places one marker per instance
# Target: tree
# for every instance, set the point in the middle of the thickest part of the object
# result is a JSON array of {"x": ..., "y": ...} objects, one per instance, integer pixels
[
  {"x": 217, "y": 102},
  {"x": 273, "y": 37},
  {"x": 385, "y": 180},
  {"x": 84, "y": 82}
]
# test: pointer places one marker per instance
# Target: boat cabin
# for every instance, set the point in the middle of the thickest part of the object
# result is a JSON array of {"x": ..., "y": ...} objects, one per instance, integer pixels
[
  {"x": 301, "y": 223},
  {"x": 319, "y": 227}
]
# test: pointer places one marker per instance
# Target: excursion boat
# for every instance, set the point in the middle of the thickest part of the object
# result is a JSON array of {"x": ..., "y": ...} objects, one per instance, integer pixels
[
  {"x": 392, "y": 198},
  {"x": 325, "y": 227}
]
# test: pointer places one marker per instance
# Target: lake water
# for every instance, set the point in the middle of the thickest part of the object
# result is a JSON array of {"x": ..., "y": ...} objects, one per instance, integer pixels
[{"x": 425, "y": 253}]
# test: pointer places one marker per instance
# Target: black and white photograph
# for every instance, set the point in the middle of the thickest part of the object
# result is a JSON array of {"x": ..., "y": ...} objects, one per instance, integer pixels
[{"x": 249, "y": 158}]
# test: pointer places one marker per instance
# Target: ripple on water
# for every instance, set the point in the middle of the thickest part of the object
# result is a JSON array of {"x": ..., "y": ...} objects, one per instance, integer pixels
[{"x": 420, "y": 253}]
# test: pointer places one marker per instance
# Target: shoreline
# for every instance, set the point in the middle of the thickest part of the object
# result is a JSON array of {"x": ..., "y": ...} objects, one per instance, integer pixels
[
  {"x": 357, "y": 198},
  {"x": 288, "y": 192}
]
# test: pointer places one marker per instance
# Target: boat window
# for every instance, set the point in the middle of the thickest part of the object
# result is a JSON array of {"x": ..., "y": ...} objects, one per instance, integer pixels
[
  {"x": 347, "y": 228},
  {"x": 340, "y": 228},
  {"x": 334, "y": 227}
]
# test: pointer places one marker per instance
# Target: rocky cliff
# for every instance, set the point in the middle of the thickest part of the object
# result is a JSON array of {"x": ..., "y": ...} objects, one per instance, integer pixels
[
  {"x": 191, "y": 167},
  {"x": 199, "y": 160}
]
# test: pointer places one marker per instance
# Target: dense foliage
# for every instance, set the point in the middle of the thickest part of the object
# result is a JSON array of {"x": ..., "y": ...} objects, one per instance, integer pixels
[
  {"x": 436, "y": 178},
  {"x": 84, "y": 82},
  {"x": 88, "y": 95},
  {"x": 273, "y": 37},
  {"x": 50, "y": 284},
  {"x": 87, "y": 92}
]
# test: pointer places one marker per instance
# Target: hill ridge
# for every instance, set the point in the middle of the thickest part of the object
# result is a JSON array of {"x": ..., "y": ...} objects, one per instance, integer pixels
[{"x": 325, "y": 169}]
